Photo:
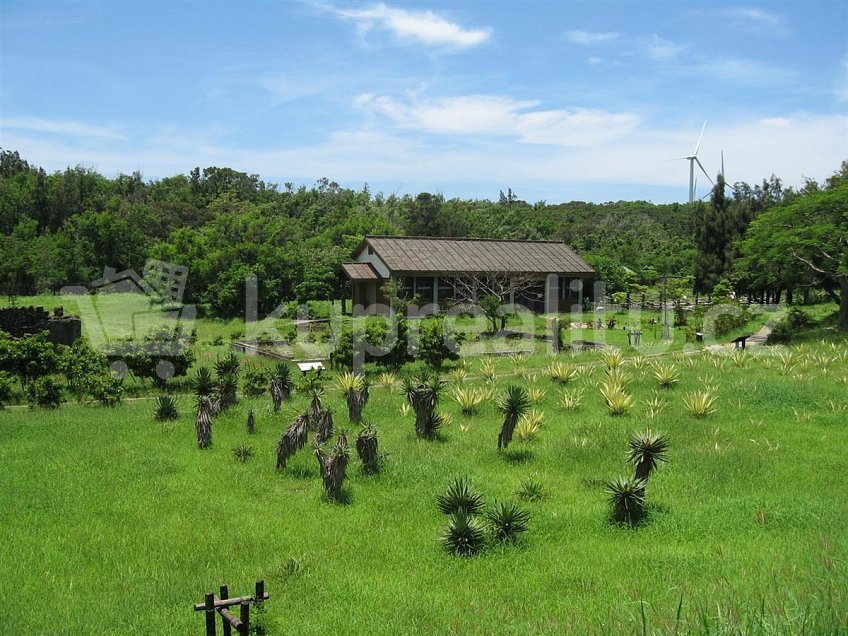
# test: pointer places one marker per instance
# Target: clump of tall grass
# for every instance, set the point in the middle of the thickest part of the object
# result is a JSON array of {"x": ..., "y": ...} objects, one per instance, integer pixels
[{"x": 530, "y": 489}]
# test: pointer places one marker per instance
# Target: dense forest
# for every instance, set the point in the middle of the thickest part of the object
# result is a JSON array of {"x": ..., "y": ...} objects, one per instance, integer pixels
[{"x": 64, "y": 228}]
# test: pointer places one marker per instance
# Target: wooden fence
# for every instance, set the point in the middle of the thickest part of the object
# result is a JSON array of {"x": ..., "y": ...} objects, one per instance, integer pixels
[{"x": 222, "y": 603}]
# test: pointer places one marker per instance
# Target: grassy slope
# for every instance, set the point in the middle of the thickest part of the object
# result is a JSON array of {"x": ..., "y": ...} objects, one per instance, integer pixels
[{"x": 111, "y": 520}]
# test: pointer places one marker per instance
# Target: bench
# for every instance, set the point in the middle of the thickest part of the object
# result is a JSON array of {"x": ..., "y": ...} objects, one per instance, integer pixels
[{"x": 739, "y": 343}]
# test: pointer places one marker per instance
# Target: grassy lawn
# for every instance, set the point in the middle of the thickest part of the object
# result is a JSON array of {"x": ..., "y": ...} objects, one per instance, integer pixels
[{"x": 114, "y": 523}]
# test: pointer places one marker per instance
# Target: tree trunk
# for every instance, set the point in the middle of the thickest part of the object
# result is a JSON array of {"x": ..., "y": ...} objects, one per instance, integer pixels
[{"x": 843, "y": 303}]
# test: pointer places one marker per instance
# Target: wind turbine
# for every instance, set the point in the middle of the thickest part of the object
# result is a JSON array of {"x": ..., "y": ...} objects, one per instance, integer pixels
[{"x": 693, "y": 159}]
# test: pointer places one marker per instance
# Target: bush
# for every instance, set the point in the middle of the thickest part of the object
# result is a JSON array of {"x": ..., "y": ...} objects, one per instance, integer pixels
[
  {"x": 166, "y": 409},
  {"x": 436, "y": 345},
  {"x": 460, "y": 496},
  {"x": 797, "y": 318},
  {"x": 508, "y": 520},
  {"x": 465, "y": 535},
  {"x": 44, "y": 392},
  {"x": 106, "y": 389},
  {"x": 781, "y": 333},
  {"x": 6, "y": 381},
  {"x": 257, "y": 381}
]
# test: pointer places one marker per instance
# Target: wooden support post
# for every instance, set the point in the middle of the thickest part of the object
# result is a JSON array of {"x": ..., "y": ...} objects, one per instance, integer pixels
[
  {"x": 225, "y": 594},
  {"x": 210, "y": 614},
  {"x": 259, "y": 598},
  {"x": 245, "y": 618}
]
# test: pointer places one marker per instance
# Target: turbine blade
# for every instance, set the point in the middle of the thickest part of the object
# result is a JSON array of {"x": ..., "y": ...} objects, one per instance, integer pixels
[
  {"x": 700, "y": 137},
  {"x": 675, "y": 159},
  {"x": 702, "y": 170}
]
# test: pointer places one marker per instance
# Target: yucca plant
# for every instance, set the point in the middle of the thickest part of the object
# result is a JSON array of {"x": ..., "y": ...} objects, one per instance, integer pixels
[
  {"x": 617, "y": 375},
  {"x": 251, "y": 421},
  {"x": 243, "y": 452},
  {"x": 667, "y": 375},
  {"x": 571, "y": 399},
  {"x": 654, "y": 406},
  {"x": 460, "y": 496},
  {"x": 334, "y": 466},
  {"x": 638, "y": 363},
  {"x": 618, "y": 402},
  {"x": 530, "y": 490},
  {"x": 355, "y": 389},
  {"x": 740, "y": 358},
  {"x": 203, "y": 384},
  {"x": 627, "y": 497},
  {"x": 458, "y": 376},
  {"x": 464, "y": 535},
  {"x": 423, "y": 393},
  {"x": 203, "y": 422},
  {"x": 508, "y": 520},
  {"x": 166, "y": 409},
  {"x": 323, "y": 426},
  {"x": 513, "y": 404},
  {"x": 519, "y": 359},
  {"x": 281, "y": 384},
  {"x": 536, "y": 394},
  {"x": 700, "y": 403},
  {"x": 367, "y": 449},
  {"x": 316, "y": 404},
  {"x": 292, "y": 440},
  {"x": 469, "y": 399},
  {"x": 646, "y": 449},
  {"x": 227, "y": 371}
]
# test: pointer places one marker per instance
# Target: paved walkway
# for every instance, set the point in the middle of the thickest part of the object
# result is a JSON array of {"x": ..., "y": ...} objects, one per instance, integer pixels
[{"x": 757, "y": 339}]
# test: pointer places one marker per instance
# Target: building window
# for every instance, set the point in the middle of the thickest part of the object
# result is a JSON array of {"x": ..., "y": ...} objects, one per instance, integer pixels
[
  {"x": 446, "y": 290},
  {"x": 424, "y": 288}
]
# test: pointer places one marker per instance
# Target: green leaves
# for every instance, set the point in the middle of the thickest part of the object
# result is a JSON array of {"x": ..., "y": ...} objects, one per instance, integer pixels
[{"x": 460, "y": 497}]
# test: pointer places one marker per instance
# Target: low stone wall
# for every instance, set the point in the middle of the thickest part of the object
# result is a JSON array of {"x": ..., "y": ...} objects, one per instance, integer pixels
[{"x": 23, "y": 321}]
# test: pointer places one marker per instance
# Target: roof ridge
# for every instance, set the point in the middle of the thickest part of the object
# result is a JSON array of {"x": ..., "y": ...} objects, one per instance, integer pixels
[{"x": 462, "y": 238}]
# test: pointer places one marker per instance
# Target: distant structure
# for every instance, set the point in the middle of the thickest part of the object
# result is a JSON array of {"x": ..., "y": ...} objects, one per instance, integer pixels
[
  {"x": 544, "y": 276},
  {"x": 19, "y": 322}
]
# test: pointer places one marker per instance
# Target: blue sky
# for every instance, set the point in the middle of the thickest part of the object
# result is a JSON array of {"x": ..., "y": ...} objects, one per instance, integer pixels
[{"x": 556, "y": 100}]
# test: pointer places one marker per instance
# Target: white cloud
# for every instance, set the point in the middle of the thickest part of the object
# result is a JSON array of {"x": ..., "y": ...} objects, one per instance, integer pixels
[
  {"x": 421, "y": 27},
  {"x": 61, "y": 127},
  {"x": 589, "y": 37},
  {"x": 503, "y": 116},
  {"x": 662, "y": 50},
  {"x": 757, "y": 21}
]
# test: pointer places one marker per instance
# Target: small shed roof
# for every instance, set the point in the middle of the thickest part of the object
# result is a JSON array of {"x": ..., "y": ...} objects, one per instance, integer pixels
[
  {"x": 360, "y": 271},
  {"x": 461, "y": 255}
]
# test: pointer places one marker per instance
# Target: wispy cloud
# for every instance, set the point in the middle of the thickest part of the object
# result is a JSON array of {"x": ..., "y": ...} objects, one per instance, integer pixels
[
  {"x": 418, "y": 27},
  {"x": 61, "y": 127},
  {"x": 757, "y": 20},
  {"x": 589, "y": 37},
  {"x": 661, "y": 50},
  {"x": 496, "y": 115}
]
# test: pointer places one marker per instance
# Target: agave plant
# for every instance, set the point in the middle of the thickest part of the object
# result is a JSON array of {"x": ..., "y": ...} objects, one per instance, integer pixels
[
  {"x": 334, "y": 466},
  {"x": 387, "y": 380},
  {"x": 617, "y": 375},
  {"x": 251, "y": 421},
  {"x": 488, "y": 369},
  {"x": 618, "y": 402},
  {"x": 519, "y": 359},
  {"x": 367, "y": 449},
  {"x": 529, "y": 425},
  {"x": 513, "y": 404},
  {"x": 508, "y": 520},
  {"x": 465, "y": 535},
  {"x": 281, "y": 384},
  {"x": 530, "y": 490},
  {"x": 536, "y": 394},
  {"x": 638, "y": 362},
  {"x": 667, "y": 375},
  {"x": 166, "y": 409},
  {"x": 458, "y": 375},
  {"x": 460, "y": 496},
  {"x": 571, "y": 399},
  {"x": 627, "y": 497},
  {"x": 612, "y": 358},
  {"x": 654, "y": 406},
  {"x": 203, "y": 422},
  {"x": 469, "y": 399},
  {"x": 700, "y": 403},
  {"x": 646, "y": 449},
  {"x": 243, "y": 452},
  {"x": 561, "y": 372},
  {"x": 292, "y": 440}
]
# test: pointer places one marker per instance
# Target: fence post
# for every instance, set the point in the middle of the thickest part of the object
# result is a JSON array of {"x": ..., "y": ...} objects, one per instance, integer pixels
[
  {"x": 210, "y": 614},
  {"x": 245, "y": 617},
  {"x": 259, "y": 599},
  {"x": 225, "y": 594}
]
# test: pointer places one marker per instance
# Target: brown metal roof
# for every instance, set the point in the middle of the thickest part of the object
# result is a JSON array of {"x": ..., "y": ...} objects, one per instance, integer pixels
[
  {"x": 360, "y": 271},
  {"x": 452, "y": 255}
]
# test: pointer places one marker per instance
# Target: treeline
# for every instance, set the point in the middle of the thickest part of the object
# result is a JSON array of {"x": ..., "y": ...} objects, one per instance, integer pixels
[{"x": 64, "y": 228}]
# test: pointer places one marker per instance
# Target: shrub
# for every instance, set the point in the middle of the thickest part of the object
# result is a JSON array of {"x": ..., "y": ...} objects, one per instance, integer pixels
[
  {"x": 436, "y": 345},
  {"x": 165, "y": 409},
  {"x": 646, "y": 449},
  {"x": 513, "y": 404},
  {"x": 243, "y": 452},
  {"x": 281, "y": 384},
  {"x": 6, "y": 382},
  {"x": 529, "y": 425},
  {"x": 465, "y": 535},
  {"x": 781, "y": 333},
  {"x": 612, "y": 358},
  {"x": 618, "y": 402},
  {"x": 570, "y": 400},
  {"x": 257, "y": 381},
  {"x": 561, "y": 372},
  {"x": 487, "y": 369},
  {"x": 536, "y": 394},
  {"x": 106, "y": 389},
  {"x": 460, "y": 496},
  {"x": 508, "y": 520},
  {"x": 387, "y": 380},
  {"x": 44, "y": 392},
  {"x": 797, "y": 318},
  {"x": 667, "y": 375},
  {"x": 423, "y": 392},
  {"x": 469, "y": 399},
  {"x": 202, "y": 383}
]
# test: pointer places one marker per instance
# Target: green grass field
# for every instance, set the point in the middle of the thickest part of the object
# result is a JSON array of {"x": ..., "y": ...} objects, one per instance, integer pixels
[{"x": 115, "y": 524}]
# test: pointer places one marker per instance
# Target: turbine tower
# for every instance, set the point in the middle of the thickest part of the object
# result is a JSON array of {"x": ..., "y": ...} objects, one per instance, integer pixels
[{"x": 693, "y": 159}]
